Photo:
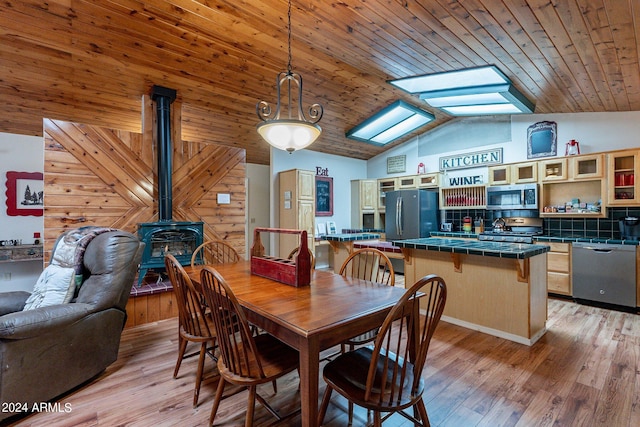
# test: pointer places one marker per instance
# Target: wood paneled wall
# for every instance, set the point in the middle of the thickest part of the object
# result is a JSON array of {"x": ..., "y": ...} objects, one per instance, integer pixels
[{"x": 99, "y": 176}]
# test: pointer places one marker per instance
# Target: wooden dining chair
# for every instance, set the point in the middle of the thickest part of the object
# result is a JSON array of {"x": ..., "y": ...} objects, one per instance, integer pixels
[
  {"x": 245, "y": 360},
  {"x": 387, "y": 377},
  {"x": 193, "y": 323},
  {"x": 214, "y": 252},
  {"x": 373, "y": 265},
  {"x": 294, "y": 252},
  {"x": 369, "y": 264}
]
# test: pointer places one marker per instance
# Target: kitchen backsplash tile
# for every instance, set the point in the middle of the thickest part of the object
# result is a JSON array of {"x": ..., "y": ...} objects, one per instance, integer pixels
[{"x": 605, "y": 228}]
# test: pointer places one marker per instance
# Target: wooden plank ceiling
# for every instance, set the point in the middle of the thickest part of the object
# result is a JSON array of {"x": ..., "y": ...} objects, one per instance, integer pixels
[{"x": 90, "y": 61}]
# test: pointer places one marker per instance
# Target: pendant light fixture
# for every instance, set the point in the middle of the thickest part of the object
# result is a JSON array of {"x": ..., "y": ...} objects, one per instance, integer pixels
[{"x": 289, "y": 130}]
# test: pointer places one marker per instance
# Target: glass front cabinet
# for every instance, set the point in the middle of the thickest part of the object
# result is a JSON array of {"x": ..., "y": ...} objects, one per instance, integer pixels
[
  {"x": 622, "y": 171},
  {"x": 587, "y": 166},
  {"x": 553, "y": 170}
]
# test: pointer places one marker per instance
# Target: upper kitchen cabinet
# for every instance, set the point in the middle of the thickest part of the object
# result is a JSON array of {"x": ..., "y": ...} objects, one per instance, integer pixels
[
  {"x": 573, "y": 186},
  {"x": 572, "y": 168},
  {"x": 384, "y": 186},
  {"x": 430, "y": 180},
  {"x": 553, "y": 170},
  {"x": 409, "y": 182},
  {"x": 364, "y": 203},
  {"x": 412, "y": 182},
  {"x": 500, "y": 175},
  {"x": 621, "y": 172},
  {"x": 587, "y": 166},
  {"x": 522, "y": 173},
  {"x": 297, "y": 207},
  {"x": 514, "y": 173}
]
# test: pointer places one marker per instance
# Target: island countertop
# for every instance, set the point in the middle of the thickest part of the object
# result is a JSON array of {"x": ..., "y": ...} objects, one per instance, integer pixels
[
  {"x": 350, "y": 237},
  {"x": 474, "y": 247}
]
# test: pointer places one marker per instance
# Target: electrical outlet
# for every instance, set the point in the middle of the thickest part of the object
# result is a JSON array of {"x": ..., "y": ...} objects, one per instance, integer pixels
[{"x": 6, "y": 276}]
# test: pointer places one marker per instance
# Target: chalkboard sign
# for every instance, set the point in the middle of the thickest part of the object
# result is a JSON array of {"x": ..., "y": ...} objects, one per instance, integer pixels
[
  {"x": 542, "y": 140},
  {"x": 324, "y": 196}
]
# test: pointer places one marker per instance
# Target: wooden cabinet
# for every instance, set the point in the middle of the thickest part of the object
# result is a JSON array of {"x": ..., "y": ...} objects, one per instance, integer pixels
[
  {"x": 522, "y": 173},
  {"x": 586, "y": 166},
  {"x": 297, "y": 207},
  {"x": 621, "y": 172},
  {"x": 409, "y": 182},
  {"x": 384, "y": 186},
  {"x": 364, "y": 203},
  {"x": 553, "y": 170},
  {"x": 430, "y": 180},
  {"x": 572, "y": 168},
  {"x": 559, "y": 269},
  {"x": 574, "y": 178},
  {"x": 500, "y": 175},
  {"x": 515, "y": 173}
]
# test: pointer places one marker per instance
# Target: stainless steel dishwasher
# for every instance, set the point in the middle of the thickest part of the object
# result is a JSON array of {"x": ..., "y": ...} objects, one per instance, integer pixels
[{"x": 604, "y": 273}]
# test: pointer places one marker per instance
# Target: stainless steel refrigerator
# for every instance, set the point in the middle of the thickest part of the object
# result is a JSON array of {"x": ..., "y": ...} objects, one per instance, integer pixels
[{"x": 410, "y": 214}]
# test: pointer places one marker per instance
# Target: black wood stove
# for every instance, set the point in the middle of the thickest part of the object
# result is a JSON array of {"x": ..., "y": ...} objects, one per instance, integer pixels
[{"x": 179, "y": 238}]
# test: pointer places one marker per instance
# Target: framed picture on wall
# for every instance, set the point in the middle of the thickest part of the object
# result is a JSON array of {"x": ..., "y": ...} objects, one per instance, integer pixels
[
  {"x": 542, "y": 140},
  {"x": 25, "y": 193},
  {"x": 324, "y": 196}
]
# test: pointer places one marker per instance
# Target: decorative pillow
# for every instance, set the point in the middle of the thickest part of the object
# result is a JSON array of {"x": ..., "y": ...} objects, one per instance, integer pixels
[{"x": 56, "y": 285}]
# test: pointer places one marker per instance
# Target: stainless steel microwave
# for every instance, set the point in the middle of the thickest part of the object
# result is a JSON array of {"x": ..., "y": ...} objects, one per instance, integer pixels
[{"x": 517, "y": 196}]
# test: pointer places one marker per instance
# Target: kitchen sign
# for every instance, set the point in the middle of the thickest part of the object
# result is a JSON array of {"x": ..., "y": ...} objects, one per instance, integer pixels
[
  {"x": 465, "y": 180},
  {"x": 471, "y": 160}
]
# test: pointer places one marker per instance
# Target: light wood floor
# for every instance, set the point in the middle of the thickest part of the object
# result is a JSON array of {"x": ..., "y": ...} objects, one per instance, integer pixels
[{"x": 583, "y": 372}]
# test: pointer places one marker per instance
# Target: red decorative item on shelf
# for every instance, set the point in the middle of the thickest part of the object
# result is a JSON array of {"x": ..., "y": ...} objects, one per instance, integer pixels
[
  {"x": 573, "y": 148},
  {"x": 295, "y": 272},
  {"x": 421, "y": 168}
]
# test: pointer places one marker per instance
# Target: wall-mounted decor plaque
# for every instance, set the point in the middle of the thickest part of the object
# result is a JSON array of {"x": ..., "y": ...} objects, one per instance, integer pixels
[
  {"x": 397, "y": 164},
  {"x": 542, "y": 140}
]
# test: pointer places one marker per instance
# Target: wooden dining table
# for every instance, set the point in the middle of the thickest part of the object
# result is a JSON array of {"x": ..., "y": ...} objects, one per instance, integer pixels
[{"x": 332, "y": 309}]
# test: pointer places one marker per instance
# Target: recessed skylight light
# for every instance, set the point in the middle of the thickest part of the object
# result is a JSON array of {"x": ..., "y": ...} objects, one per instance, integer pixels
[
  {"x": 486, "y": 89},
  {"x": 481, "y": 76},
  {"x": 390, "y": 123}
]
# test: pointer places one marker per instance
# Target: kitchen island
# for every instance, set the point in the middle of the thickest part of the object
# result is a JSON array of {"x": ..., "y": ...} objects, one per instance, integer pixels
[{"x": 496, "y": 288}]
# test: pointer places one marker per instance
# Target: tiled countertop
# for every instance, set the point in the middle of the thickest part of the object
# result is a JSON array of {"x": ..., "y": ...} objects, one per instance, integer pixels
[
  {"x": 572, "y": 239},
  {"x": 458, "y": 234},
  {"x": 474, "y": 247},
  {"x": 349, "y": 237},
  {"x": 377, "y": 244},
  {"x": 561, "y": 238}
]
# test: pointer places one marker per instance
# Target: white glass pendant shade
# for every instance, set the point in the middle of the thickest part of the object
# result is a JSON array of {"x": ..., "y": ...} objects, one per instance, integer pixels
[{"x": 289, "y": 135}]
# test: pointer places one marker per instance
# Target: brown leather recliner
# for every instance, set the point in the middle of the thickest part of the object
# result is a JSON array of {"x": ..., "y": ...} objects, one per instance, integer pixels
[{"x": 48, "y": 351}]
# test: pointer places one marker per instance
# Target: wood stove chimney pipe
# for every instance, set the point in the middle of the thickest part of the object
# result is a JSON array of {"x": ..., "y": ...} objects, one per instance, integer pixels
[{"x": 163, "y": 98}]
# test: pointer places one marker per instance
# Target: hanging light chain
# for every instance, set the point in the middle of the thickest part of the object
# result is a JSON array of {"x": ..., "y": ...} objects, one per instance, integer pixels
[{"x": 289, "y": 37}]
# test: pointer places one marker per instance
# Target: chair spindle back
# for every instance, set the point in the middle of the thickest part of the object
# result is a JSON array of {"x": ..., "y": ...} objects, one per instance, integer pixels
[
  {"x": 369, "y": 264},
  {"x": 237, "y": 346},
  {"x": 214, "y": 252},
  {"x": 190, "y": 310},
  {"x": 396, "y": 342}
]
